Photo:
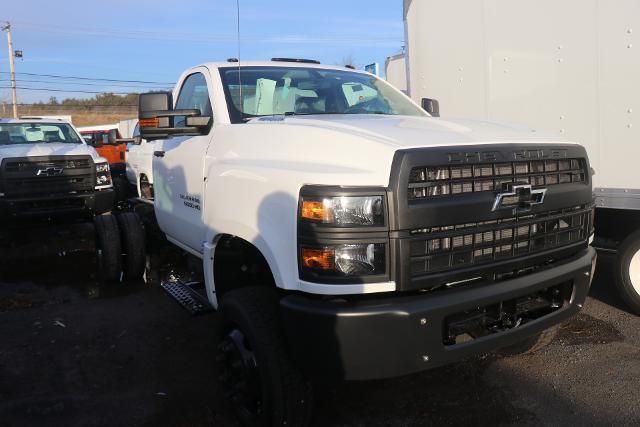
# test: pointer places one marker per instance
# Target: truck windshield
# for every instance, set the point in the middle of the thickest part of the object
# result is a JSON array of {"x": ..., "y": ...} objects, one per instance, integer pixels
[
  {"x": 270, "y": 91},
  {"x": 30, "y": 133}
]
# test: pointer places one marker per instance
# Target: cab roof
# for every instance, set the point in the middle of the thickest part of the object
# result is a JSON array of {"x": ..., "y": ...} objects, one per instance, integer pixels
[
  {"x": 279, "y": 63},
  {"x": 33, "y": 119}
]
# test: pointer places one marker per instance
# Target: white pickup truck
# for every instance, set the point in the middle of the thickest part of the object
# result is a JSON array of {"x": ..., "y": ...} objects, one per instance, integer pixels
[
  {"x": 345, "y": 232},
  {"x": 48, "y": 174},
  {"x": 139, "y": 159}
]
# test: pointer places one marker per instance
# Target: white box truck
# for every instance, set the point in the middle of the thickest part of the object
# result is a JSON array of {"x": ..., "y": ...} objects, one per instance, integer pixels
[
  {"x": 571, "y": 67},
  {"x": 395, "y": 71}
]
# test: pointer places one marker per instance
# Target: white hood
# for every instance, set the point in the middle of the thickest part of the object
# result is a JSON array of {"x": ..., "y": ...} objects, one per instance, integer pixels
[
  {"x": 412, "y": 132},
  {"x": 47, "y": 149},
  {"x": 350, "y": 149}
]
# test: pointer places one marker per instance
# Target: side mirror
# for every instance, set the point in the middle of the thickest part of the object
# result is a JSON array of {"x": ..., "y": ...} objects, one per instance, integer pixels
[
  {"x": 112, "y": 138},
  {"x": 431, "y": 106},
  {"x": 156, "y": 118}
]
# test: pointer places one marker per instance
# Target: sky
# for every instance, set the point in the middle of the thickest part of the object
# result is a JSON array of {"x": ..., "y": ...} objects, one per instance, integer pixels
[{"x": 154, "y": 41}]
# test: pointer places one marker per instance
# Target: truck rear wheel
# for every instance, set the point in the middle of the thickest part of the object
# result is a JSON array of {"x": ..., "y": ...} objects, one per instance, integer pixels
[
  {"x": 628, "y": 271},
  {"x": 531, "y": 344},
  {"x": 133, "y": 245},
  {"x": 256, "y": 373},
  {"x": 108, "y": 247}
]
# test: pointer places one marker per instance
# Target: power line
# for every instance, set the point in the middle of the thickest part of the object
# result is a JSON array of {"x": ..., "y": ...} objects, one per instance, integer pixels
[
  {"x": 89, "y": 78},
  {"x": 80, "y": 84},
  {"x": 65, "y": 90},
  {"x": 62, "y": 105}
]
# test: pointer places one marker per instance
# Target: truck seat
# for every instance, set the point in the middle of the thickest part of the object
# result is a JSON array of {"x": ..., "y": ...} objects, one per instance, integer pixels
[{"x": 52, "y": 136}]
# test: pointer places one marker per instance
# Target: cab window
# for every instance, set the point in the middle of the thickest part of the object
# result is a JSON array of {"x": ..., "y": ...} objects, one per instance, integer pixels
[{"x": 193, "y": 94}]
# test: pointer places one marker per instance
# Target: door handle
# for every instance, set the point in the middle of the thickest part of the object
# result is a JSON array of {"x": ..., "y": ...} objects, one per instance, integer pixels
[{"x": 158, "y": 153}]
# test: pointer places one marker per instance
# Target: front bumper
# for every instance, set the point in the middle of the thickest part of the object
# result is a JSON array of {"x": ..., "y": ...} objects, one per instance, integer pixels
[
  {"x": 97, "y": 202},
  {"x": 402, "y": 334}
]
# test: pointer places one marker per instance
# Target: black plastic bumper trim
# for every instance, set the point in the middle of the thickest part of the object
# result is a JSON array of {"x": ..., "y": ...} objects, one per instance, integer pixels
[
  {"x": 384, "y": 337},
  {"x": 98, "y": 202}
]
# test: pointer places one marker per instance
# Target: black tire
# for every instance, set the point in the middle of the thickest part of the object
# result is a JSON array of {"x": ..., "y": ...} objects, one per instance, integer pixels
[
  {"x": 134, "y": 256},
  {"x": 531, "y": 344},
  {"x": 109, "y": 248},
  {"x": 256, "y": 373},
  {"x": 626, "y": 251}
]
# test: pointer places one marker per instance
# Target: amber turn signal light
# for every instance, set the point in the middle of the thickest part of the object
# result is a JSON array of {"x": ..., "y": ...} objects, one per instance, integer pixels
[
  {"x": 315, "y": 210},
  {"x": 322, "y": 259},
  {"x": 149, "y": 123}
]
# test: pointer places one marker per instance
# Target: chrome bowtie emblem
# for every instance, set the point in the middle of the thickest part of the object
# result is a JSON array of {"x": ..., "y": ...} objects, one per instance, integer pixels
[
  {"x": 519, "y": 197},
  {"x": 49, "y": 171}
]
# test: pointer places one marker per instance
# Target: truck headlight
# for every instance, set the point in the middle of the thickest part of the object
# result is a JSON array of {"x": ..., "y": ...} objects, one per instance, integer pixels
[
  {"x": 351, "y": 259},
  {"x": 103, "y": 174},
  {"x": 343, "y": 210},
  {"x": 343, "y": 235}
]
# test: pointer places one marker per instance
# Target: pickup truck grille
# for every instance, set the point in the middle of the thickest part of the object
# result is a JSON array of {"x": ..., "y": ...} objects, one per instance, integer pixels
[
  {"x": 31, "y": 176},
  {"x": 444, "y": 248},
  {"x": 434, "y": 181},
  {"x": 451, "y": 225},
  {"x": 34, "y": 166}
]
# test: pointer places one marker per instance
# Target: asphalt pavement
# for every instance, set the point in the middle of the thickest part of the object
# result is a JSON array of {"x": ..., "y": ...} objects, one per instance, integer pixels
[{"x": 75, "y": 351}]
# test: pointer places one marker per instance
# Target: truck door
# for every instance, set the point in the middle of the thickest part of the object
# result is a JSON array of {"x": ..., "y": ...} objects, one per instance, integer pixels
[{"x": 178, "y": 165}]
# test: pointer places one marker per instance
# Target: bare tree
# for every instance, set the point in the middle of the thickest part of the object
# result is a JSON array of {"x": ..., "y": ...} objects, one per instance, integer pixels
[{"x": 348, "y": 60}]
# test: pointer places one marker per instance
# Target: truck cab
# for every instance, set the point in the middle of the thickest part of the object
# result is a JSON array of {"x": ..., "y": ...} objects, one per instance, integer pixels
[
  {"x": 345, "y": 232},
  {"x": 46, "y": 169}
]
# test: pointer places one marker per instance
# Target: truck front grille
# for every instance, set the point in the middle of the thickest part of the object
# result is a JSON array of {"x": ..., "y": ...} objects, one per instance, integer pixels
[
  {"x": 434, "y": 181},
  {"x": 34, "y": 166},
  {"x": 31, "y": 176},
  {"x": 443, "y": 248}
]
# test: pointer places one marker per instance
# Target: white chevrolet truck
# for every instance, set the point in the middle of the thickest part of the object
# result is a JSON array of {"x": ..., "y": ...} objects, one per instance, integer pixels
[
  {"x": 49, "y": 175},
  {"x": 345, "y": 232}
]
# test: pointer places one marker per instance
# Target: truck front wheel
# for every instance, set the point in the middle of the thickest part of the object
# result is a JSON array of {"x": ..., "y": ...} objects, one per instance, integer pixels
[
  {"x": 628, "y": 271},
  {"x": 133, "y": 243},
  {"x": 531, "y": 344},
  {"x": 108, "y": 247},
  {"x": 256, "y": 373}
]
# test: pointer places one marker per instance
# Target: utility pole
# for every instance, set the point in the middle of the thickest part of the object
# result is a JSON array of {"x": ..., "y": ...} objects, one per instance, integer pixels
[{"x": 14, "y": 96}]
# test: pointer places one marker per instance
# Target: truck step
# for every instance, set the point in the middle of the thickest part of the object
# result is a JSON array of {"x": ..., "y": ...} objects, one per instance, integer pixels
[{"x": 192, "y": 301}]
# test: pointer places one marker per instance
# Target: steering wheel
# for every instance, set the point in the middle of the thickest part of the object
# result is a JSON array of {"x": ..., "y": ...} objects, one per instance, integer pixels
[
  {"x": 355, "y": 109},
  {"x": 365, "y": 107}
]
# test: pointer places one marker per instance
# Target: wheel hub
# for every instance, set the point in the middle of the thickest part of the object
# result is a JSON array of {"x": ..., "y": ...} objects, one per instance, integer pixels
[{"x": 239, "y": 376}]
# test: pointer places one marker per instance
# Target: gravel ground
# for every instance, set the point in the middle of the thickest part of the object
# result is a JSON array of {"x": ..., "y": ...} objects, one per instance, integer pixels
[{"x": 74, "y": 351}]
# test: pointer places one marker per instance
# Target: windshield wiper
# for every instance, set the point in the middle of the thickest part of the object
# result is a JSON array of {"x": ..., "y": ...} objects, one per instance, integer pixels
[
  {"x": 320, "y": 113},
  {"x": 291, "y": 113}
]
